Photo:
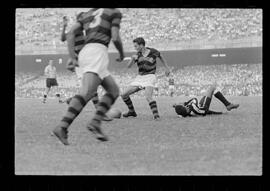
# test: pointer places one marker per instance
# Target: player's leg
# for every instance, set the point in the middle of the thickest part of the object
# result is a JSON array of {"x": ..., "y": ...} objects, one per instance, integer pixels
[
  {"x": 105, "y": 103},
  {"x": 126, "y": 98},
  {"x": 48, "y": 87},
  {"x": 226, "y": 103},
  {"x": 207, "y": 98},
  {"x": 57, "y": 94},
  {"x": 95, "y": 101},
  {"x": 90, "y": 82},
  {"x": 152, "y": 103}
]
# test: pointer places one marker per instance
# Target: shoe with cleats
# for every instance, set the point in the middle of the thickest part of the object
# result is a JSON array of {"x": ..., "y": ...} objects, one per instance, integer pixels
[
  {"x": 96, "y": 131},
  {"x": 130, "y": 114},
  {"x": 232, "y": 106},
  {"x": 62, "y": 134}
]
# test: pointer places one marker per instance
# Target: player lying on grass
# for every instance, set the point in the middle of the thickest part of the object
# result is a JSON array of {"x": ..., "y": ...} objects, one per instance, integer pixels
[{"x": 194, "y": 108}]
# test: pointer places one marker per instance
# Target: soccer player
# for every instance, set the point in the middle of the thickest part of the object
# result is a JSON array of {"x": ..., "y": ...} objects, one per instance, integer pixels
[
  {"x": 50, "y": 73},
  {"x": 145, "y": 58},
  {"x": 194, "y": 108},
  {"x": 79, "y": 42},
  {"x": 101, "y": 25},
  {"x": 171, "y": 86}
]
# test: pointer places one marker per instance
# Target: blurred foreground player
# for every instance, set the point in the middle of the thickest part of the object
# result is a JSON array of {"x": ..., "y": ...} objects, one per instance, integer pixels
[
  {"x": 79, "y": 41},
  {"x": 101, "y": 25}
]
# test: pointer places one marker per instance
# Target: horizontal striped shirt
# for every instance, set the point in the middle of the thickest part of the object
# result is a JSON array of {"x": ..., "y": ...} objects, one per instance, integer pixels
[
  {"x": 195, "y": 108},
  {"x": 147, "y": 64},
  {"x": 97, "y": 24}
]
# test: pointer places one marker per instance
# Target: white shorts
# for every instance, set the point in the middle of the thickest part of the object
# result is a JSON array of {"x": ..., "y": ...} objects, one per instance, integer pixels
[
  {"x": 94, "y": 58},
  {"x": 171, "y": 87},
  {"x": 144, "y": 80}
]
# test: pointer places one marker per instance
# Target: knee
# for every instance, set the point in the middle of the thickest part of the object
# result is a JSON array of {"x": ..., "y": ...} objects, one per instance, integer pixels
[{"x": 149, "y": 99}]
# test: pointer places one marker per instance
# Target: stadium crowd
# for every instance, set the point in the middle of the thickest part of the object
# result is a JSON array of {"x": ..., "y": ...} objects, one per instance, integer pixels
[
  {"x": 234, "y": 80},
  {"x": 42, "y": 27}
]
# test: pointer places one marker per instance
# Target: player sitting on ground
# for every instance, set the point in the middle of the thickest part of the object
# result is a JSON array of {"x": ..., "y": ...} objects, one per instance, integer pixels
[{"x": 193, "y": 108}]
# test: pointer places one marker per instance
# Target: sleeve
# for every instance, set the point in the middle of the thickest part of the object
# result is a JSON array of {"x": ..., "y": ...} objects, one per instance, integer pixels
[
  {"x": 196, "y": 109},
  {"x": 156, "y": 53},
  {"x": 193, "y": 100},
  {"x": 116, "y": 19}
]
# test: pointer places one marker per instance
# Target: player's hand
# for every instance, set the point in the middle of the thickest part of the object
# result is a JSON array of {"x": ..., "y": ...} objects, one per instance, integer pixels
[
  {"x": 71, "y": 64},
  {"x": 120, "y": 59}
]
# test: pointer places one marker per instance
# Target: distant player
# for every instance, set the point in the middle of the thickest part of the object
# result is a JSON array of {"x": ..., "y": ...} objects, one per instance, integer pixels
[
  {"x": 194, "y": 108},
  {"x": 79, "y": 41},
  {"x": 50, "y": 73},
  {"x": 101, "y": 25},
  {"x": 146, "y": 79},
  {"x": 171, "y": 86}
]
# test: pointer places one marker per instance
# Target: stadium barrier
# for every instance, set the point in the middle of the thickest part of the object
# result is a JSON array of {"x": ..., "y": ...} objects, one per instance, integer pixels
[{"x": 177, "y": 59}]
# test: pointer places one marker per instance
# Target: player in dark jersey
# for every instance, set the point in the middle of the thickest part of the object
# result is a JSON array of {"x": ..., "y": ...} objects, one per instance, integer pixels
[
  {"x": 171, "y": 86},
  {"x": 78, "y": 45},
  {"x": 145, "y": 59},
  {"x": 194, "y": 108},
  {"x": 100, "y": 25}
]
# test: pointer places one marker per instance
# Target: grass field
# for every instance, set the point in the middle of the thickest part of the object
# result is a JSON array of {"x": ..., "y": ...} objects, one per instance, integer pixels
[{"x": 229, "y": 144}]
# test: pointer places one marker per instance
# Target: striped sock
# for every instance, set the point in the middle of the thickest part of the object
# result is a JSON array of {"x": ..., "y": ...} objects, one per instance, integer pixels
[
  {"x": 221, "y": 98},
  {"x": 129, "y": 103},
  {"x": 153, "y": 106},
  {"x": 103, "y": 106},
  {"x": 75, "y": 107},
  {"x": 95, "y": 100}
]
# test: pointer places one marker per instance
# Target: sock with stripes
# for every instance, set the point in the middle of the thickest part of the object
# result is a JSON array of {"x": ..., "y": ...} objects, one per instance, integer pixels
[
  {"x": 153, "y": 106},
  {"x": 44, "y": 97},
  {"x": 103, "y": 106},
  {"x": 129, "y": 103},
  {"x": 75, "y": 107},
  {"x": 95, "y": 100},
  {"x": 58, "y": 96},
  {"x": 220, "y": 96}
]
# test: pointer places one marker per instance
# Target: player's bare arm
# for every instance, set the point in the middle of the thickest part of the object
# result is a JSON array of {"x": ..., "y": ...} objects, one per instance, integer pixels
[
  {"x": 132, "y": 61},
  {"x": 163, "y": 61},
  {"x": 71, "y": 40},
  {"x": 117, "y": 42},
  {"x": 63, "y": 34}
]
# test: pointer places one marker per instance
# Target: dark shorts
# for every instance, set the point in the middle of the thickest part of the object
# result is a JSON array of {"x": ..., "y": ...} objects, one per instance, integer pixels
[
  {"x": 51, "y": 82},
  {"x": 205, "y": 102}
]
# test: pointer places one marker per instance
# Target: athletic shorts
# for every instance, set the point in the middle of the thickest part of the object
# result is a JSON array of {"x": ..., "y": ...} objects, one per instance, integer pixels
[
  {"x": 143, "y": 81},
  {"x": 171, "y": 87},
  {"x": 51, "y": 82},
  {"x": 94, "y": 58},
  {"x": 205, "y": 103}
]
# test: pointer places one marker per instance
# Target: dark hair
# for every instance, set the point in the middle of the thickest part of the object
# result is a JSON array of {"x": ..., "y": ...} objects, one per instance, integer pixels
[
  {"x": 181, "y": 110},
  {"x": 139, "y": 41}
]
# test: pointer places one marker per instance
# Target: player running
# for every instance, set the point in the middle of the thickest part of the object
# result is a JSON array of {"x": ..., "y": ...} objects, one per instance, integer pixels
[
  {"x": 194, "y": 108},
  {"x": 101, "y": 25},
  {"x": 145, "y": 58},
  {"x": 79, "y": 41},
  {"x": 50, "y": 73}
]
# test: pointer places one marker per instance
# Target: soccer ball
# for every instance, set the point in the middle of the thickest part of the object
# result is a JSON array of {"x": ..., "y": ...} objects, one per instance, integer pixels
[{"x": 114, "y": 113}]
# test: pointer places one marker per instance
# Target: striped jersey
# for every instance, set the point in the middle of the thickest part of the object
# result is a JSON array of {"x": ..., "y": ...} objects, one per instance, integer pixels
[
  {"x": 97, "y": 24},
  {"x": 147, "y": 64},
  {"x": 79, "y": 40},
  {"x": 195, "y": 108},
  {"x": 50, "y": 71}
]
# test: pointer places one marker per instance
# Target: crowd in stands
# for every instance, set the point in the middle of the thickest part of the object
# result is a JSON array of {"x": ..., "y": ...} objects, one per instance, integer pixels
[
  {"x": 233, "y": 80},
  {"x": 42, "y": 27}
]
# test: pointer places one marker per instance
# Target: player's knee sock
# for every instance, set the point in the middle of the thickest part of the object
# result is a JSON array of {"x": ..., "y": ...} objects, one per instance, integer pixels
[
  {"x": 75, "y": 107},
  {"x": 129, "y": 103},
  {"x": 220, "y": 97},
  {"x": 103, "y": 106},
  {"x": 45, "y": 96},
  {"x": 95, "y": 100},
  {"x": 57, "y": 95},
  {"x": 153, "y": 106}
]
